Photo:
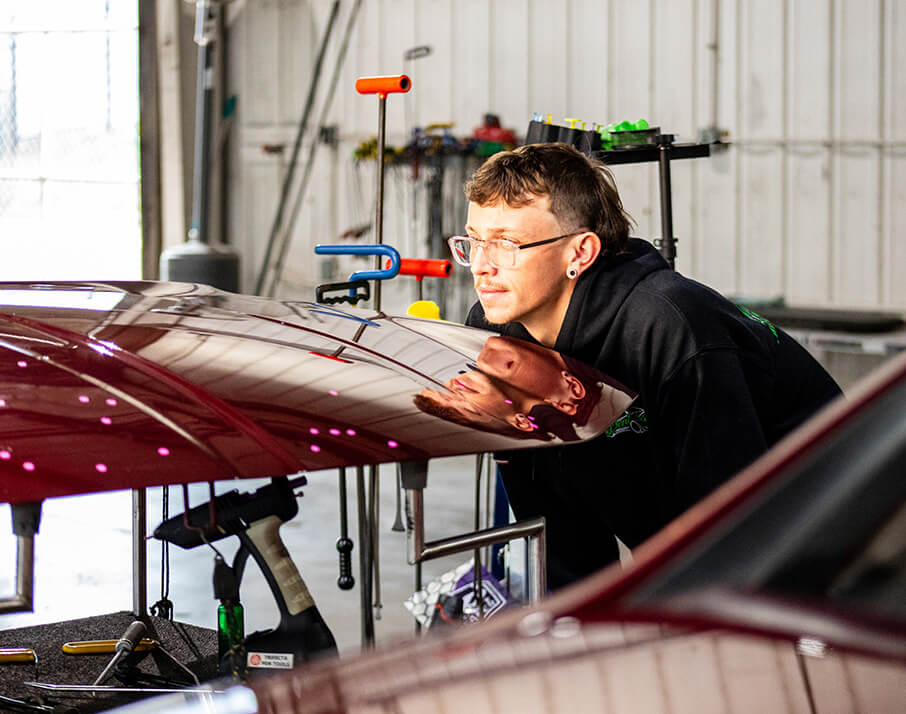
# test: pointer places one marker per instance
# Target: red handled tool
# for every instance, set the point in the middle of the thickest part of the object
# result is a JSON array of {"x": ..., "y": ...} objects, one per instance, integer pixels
[
  {"x": 382, "y": 86},
  {"x": 423, "y": 268}
]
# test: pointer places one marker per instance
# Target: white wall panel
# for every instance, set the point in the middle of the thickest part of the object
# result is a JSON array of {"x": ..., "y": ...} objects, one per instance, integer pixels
[
  {"x": 508, "y": 64},
  {"x": 808, "y": 202},
  {"x": 857, "y": 116}
]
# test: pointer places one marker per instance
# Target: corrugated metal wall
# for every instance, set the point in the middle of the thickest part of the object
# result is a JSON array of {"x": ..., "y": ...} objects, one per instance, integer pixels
[{"x": 808, "y": 202}]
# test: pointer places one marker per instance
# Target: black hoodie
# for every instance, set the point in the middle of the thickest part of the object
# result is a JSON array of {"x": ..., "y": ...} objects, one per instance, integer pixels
[{"x": 717, "y": 385}]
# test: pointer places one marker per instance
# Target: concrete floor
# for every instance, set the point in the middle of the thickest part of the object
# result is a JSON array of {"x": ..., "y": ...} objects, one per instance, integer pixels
[{"x": 84, "y": 556}]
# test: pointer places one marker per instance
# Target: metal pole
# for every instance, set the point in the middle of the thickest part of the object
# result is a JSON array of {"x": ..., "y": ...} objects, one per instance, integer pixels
[
  {"x": 139, "y": 553},
  {"x": 379, "y": 211},
  {"x": 668, "y": 242},
  {"x": 364, "y": 561},
  {"x": 203, "y": 90}
]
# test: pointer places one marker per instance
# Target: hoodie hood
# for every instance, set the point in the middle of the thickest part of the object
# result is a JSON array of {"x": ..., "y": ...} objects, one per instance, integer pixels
[{"x": 600, "y": 293}]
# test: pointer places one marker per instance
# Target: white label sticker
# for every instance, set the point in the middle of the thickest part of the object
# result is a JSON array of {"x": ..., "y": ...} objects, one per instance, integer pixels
[{"x": 274, "y": 660}]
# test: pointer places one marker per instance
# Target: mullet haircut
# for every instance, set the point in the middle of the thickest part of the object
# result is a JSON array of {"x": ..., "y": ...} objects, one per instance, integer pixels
[{"x": 581, "y": 190}]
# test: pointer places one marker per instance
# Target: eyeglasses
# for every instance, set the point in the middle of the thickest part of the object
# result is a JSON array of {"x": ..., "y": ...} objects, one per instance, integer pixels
[{"x": 501, "y": 253}]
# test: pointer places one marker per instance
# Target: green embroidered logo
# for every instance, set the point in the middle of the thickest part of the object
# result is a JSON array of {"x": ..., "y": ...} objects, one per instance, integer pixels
[
  {"x": 759, "y": 319},
  {"x": 633, "y": 419}
]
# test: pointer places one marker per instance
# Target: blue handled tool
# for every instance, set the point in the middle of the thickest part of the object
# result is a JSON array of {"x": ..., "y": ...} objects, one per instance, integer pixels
[{"x": 385, "y": 250}]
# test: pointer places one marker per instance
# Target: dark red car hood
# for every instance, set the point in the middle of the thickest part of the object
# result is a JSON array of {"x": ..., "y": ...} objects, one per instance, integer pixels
[{"x": 123, "y": 385}]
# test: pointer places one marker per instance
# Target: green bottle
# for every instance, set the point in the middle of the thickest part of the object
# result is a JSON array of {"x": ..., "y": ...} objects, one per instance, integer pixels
[
  {"x": 230, "y": 621},
  {"x": 230, "y": 634}
]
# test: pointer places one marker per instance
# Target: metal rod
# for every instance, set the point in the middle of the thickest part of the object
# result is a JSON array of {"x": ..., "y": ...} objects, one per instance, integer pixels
[
  {"x": 297, "y": 145},
  {"x": 364, "y": 562},
  {"x": 476, "y": 577},
  {"x": 23, "y": 600},
  {"x": 379, "y": 211},
  {"x": 419, "y": 551},
  {"x": 668, "y": 242},
  {"x": 203, "y": 91},
  {"x": 374, "y": 509},
  {"x": 139, "y": 553}
]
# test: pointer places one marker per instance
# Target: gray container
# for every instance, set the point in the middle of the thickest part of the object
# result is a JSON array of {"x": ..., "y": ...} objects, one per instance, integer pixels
[{"x": 197, "y": 262}]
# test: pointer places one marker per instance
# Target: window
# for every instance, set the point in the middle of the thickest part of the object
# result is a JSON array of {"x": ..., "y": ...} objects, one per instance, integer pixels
[{"x": 69, "y": 161}]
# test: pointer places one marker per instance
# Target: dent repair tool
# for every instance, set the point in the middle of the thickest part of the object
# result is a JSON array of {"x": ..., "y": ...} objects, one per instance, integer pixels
[
  {"x": 124, "y": 646},
  {"x": 382, "y": 86}
]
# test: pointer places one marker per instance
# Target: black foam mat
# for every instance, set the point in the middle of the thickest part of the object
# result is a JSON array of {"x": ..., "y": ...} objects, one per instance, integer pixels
[{"x": 195, "y": 647}]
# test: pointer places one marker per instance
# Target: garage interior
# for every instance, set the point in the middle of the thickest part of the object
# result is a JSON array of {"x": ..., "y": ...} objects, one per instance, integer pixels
[{"x": 219, "y": 142}]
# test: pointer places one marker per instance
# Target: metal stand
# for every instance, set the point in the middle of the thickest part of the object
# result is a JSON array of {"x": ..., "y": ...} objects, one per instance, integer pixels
[
  {"x": 664, "y": 152},
  {"x": 139, "y": 553}
]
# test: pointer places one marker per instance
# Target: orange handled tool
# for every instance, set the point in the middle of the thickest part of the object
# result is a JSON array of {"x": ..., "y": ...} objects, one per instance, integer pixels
[
  {"x": 382, "y": 86},
  {"x": 425, "y": 267}
]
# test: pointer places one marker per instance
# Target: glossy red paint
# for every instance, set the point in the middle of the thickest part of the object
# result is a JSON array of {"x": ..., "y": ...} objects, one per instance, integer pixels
[{"x": 123, "y": 385}]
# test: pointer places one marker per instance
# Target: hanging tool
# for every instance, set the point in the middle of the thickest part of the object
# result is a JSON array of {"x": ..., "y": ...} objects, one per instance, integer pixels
[
  {"x": 382, "y": 86},
  {"x": 378, "y": 274},
  {"x": 344, "y": 544}
]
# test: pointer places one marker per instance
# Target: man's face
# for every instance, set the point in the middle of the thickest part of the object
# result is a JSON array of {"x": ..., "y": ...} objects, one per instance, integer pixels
[{"x": 536, "y": 291}]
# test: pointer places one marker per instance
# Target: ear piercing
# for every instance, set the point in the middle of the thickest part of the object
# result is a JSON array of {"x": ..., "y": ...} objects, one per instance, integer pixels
[{"x": 572, "y": 273}]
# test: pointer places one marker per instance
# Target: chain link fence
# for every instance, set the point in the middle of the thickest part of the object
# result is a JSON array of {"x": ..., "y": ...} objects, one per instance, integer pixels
[{"x": 69, "y": 169}]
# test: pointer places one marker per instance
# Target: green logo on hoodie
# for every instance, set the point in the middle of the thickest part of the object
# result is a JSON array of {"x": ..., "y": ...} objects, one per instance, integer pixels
[{"x": 754, "y": 316}]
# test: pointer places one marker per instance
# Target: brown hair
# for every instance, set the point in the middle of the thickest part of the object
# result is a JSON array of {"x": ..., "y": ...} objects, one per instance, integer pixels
[{"x": 581, "y": 190}]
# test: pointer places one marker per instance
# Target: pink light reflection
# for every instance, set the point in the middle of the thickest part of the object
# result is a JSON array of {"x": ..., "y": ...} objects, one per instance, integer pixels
[
  {"x": 84, "y": 398},
  {"x": 106, "y": 421},
  {"x": 350, "y": 432},
  {"x": 111, "y": 402},
  {"x": 22, "y": 363},
  {"x": 392, "y": 444},
  {"x": 507, "y": 401},
  {"x": 102, "y": 468},
  {"x": 5, "y": 455},
  {"x": 2, "y": 402},
  {"x": 333, "y": 392},
  {"x": 335, "y": 432},
  {"x": 163, "y": 451},
  {"x": 315, "y": 448},
  {"x": 28, "y": 466},
  {"x": 314, "y": 430}
]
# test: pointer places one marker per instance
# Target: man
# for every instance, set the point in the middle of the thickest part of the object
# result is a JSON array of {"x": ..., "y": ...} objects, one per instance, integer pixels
[{"x": 548, "y": 245}]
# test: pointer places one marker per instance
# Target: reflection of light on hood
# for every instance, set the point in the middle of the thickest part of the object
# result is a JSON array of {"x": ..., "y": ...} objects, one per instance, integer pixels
[
  {"x": 163, "y": 451},
  {"x": 315, "y": 448},
  {"x": 22, "y": 363},
  {"x": 106, "y": 421},
  {"x": 103, "y": 349},
  {"x": 2, "y": 402},
  {"x": 77, "y": 299},
  {"x": 333, "y": 392},
  {"x": 111, "y": 402},
  {"x": 350, "y": 432},
  {"x": 84, "y": 398},
  {"x": 28, "y": 466},
  {"x": 5, "y": 455},
  {"x": 392, "y": 444},
  {"x": 102, "y": 468},
  {"x": 314, "y": 430}
]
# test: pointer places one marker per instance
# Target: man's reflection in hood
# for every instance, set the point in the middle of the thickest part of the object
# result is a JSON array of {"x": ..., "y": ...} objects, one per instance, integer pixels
[{"x": 524, "y": 390}]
